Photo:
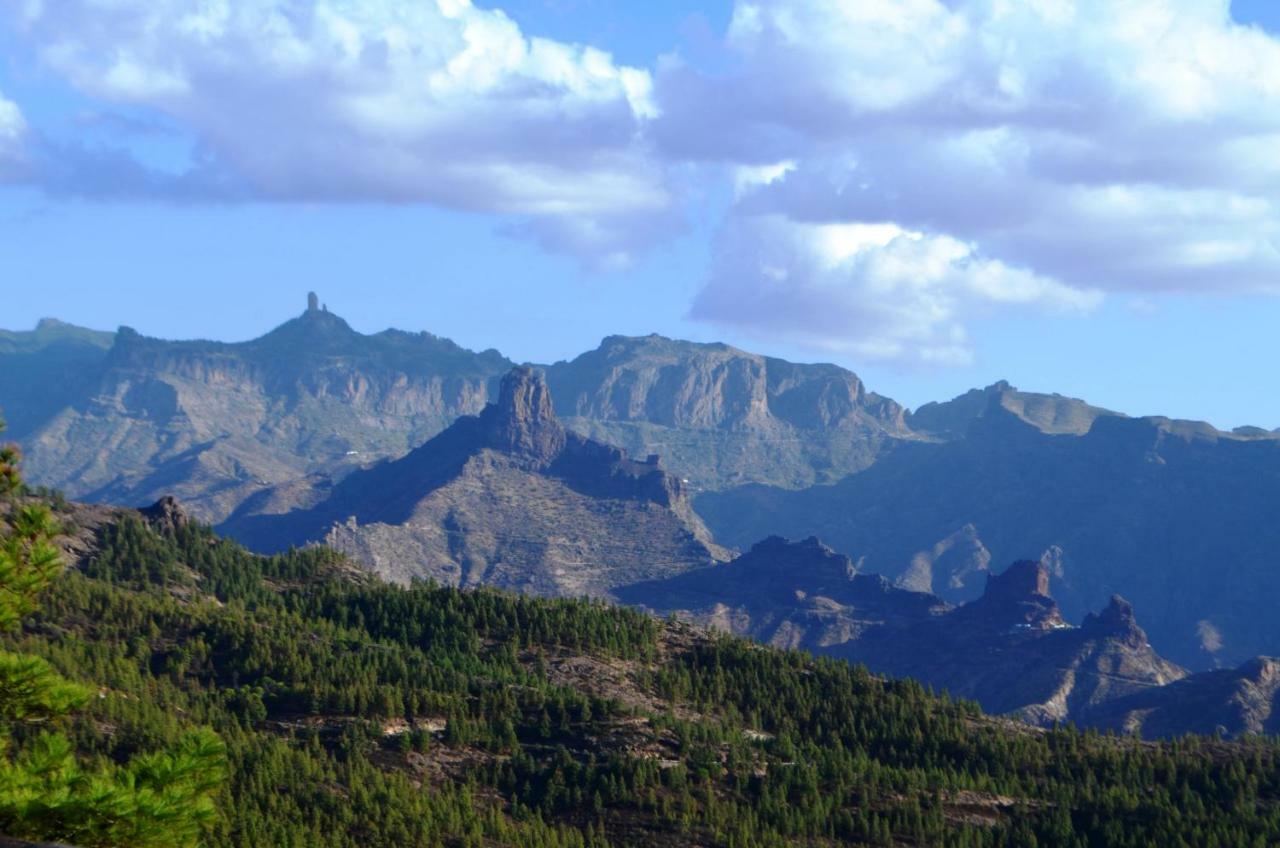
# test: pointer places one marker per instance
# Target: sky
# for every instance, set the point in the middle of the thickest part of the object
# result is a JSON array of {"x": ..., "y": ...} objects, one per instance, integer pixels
[{"x": 1080, "y": 196}]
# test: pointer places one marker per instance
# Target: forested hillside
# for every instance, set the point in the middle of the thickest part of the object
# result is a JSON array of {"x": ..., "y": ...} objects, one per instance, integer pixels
[{"x": 358, "y": 713}]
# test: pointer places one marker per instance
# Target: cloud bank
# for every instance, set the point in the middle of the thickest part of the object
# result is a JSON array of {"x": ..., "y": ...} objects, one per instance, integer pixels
[
  {"x": 1058, "y": 148},
  {"x": 378, "y": 100},
  {"x": 892, "y": 168}
]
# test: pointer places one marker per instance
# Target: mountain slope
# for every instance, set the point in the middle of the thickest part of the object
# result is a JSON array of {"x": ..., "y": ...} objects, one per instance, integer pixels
[
  {"x": 1233, "y": 702},
  {"x": 786, "y": 594},
  {"x": 46, "y": 369},
  {"x": 362, "y": 715},
  {"x": 1174, "y": 516},
  {"x": 508, "y": 498},
  {"x": 1010, "y": 650},
  {"x": 1013, "y": 652},
  {"x": 214, "y": 423},
  {"x": 721, "y": 416}
]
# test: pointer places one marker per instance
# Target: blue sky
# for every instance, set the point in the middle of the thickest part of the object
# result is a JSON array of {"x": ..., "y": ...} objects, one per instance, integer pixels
[{"x": 931, "y": 194}]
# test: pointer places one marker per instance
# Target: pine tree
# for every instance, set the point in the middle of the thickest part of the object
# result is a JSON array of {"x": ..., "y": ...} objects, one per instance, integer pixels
[{"x": 158, "y": 799}]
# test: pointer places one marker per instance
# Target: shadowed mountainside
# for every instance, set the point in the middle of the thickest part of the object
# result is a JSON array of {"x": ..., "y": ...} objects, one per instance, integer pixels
[
  {"x": 1011, "y": 649},
  {"x": 507, "y": 498},
  {"x": 1176, "y": 516},
  {"x": 721, "y": 416},
  {"x": 215, "y": 423}
]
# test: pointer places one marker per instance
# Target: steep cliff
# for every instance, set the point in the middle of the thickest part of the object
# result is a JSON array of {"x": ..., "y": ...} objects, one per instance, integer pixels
[
  {"x": 507, "y": 498},
  {"x": 721, "y": 416},
  {"x": 215, "y": 423}
]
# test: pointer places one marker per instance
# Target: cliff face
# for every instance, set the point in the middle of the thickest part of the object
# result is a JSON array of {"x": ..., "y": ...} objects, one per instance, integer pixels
[
  {"x": 125, "y": 418},
  {"x": 216, "y": 423},
  {"x": 721, "y": 416},
  {"x": 1173, "y": 515},
  {"x": 507, "y": 498},
  {"x": 1014, "y": 652},
  {"x": 1010, "y": 649}
]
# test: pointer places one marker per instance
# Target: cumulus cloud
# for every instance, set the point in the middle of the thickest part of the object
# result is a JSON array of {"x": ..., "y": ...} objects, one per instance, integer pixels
[
  {"x": 1086, "y": 145},
  {"x": 378, "y": 100},
  {"x": 872, "y": 290}
]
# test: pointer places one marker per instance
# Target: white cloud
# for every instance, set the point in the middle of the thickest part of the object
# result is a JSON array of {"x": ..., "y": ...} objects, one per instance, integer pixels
[
  {"x": 12, "y": 124},
  {"x": 1095, "y": 145},
  {"x": 382, "y": 100},
  {"x": 872, "y": 290},
  {"x": 13, "y": 130}
]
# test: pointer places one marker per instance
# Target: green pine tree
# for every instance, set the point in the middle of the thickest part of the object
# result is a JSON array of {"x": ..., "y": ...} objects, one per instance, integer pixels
[{"x": 158, "y": 799}]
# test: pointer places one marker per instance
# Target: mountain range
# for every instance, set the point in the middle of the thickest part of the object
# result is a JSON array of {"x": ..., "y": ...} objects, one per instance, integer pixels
[
  {"x": 283, "y": 439},
  {"x": 506, "y": 498}
]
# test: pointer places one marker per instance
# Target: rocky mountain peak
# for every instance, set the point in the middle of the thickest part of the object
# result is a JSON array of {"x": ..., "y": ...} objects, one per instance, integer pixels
[
  {"x": 1019, "y": 597},
  {"x": 1116, "y": 620},
  {"x": 1021, "y": 580},
  {"x": 166, "y": 516},
  {"x": 523, "y": 421}
]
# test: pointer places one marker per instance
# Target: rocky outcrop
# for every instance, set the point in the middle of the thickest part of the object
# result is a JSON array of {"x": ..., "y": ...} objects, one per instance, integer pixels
[
  {"x": 1013, "y": 652},
  {"x": 1227, "y": 702},
  {"x": 1010, "y": 649},
  {"x": 721, "y": 416},
  {"x": 523, "y": 422},
  {"x": 166, "y": 516},
  {"x": 787, "y": 594},
  {"x": 507, "y": 498},
  {"x": 1174, "y": 516},
  {"x": 215, "y": 424}
]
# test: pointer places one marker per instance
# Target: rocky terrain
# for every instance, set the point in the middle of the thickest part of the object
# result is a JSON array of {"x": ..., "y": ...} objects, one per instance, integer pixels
[
  {"x": 1231, "y": 702},
  {"x": 1176, "y": 516},
  {"x": 216, "y": 423},
  {"x": 118, "y": 417},
  {"x": 786, "y": 594},
  {"x": 507, "y": 498},
  {"x": 1013, "y": 652},
  {"x": 1011, "y": 649},
  {"x": 721, "y": 416}
]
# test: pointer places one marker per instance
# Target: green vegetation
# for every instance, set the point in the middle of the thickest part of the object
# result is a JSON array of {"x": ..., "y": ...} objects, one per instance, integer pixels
[
  {"x": 360, "y": 714},
  {"x": 160, "y": 798}
]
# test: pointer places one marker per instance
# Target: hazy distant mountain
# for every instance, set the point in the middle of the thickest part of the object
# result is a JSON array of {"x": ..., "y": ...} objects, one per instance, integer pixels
[
  {"x": 1011, "y": 649},
  {"x": 1176, "y": 516},
  {"x": 787, "y": 594},
  {"x": 721, "y": 416},
  {"x": 214, "y": 423},
  {"x": 46, "y": 369},
  {"x": 126, "y": 419},
  {"x": 1014, "y": 652},
  {"x": 507, "y": 498},
  {"x": 1048, "y": 413}
]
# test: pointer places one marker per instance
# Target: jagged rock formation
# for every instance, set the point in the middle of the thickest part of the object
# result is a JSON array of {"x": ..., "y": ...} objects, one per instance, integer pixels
[
  {"x": 1231, "y": 702},
  {"x": 790, "y": 595},
  {"x": 1013, "y": 652},
  {"x": 507, "y": 498},
  {"x": 1011, "y": 649},
  {"x": 1176, "y": 516},
  {"x": 721, "y": 416},
  {"x": 166, "y": 515},
  {"x": 216, "y": 423}
]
